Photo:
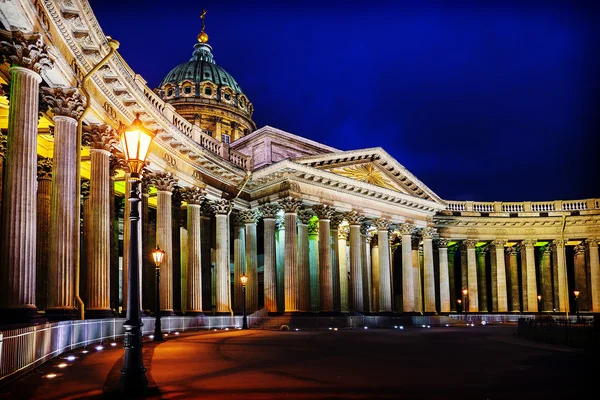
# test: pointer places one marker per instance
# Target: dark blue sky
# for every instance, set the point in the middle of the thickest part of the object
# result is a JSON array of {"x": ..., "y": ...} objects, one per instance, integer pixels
[{"x": 481, "y": 100}]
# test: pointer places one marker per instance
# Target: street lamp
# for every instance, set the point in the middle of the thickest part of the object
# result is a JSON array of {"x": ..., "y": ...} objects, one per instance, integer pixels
[
  {"x": 244, "y": 279},
  {"x": 135, "y": 142},
  {"x": 459, "y": 301},
  {"x": 465, "y": 292},
  {"x": 539, "y": 297},
  {"x": 576, "y": 293},
  {"x": 157, "y": 255}
]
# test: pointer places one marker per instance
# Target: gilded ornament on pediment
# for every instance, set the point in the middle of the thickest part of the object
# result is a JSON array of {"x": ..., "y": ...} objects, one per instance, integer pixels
[
  {"x": 366, "y": 173},
  {"x": 27, "y": 51}
]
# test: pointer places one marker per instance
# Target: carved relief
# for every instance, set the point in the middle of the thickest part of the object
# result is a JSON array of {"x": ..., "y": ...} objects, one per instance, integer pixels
[
  {"x": 289, "y": 186},
  {"x": 100, "y": 137},
  {"x": 27, "y": 51},
  {"x": 65, "y": 102},
  {"x": 169, "y": 159}
]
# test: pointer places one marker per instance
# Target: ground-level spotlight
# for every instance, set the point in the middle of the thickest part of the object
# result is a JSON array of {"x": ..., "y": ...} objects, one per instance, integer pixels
[
  {"x": 151, "y": 336},
  {"x": 177, "y": 333},
  {"x": 395, "y": 326},
  {"x": 72, "y": 358},
  {"x": 50, "y": 376},
  {"x": 226, "y": 329},
  {"x": 401, "y": 327},
  {"x": 84, "y": 351},
  {"x": 114, "y": 344},
  {"x": 446, "y": 325},
  {"x": 335, "y": 329},
  {"x": 483, "y": 322},
  {"x": 472, "y": 324},
  {"x": 423, "y": 326},
  {"x": 329, "y": 328},
  {"x": 296, "y": 329},
  {"x": 428, "y": 326},
  {"x": 366, "y": 327},
  {"x": 99, "y": 348},
  {"x": 62, "y": 365}
]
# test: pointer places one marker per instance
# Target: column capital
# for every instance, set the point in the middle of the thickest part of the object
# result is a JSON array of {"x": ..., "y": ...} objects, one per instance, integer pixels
[
  {"x": 313, "y": 227},
  {"x": 279, "y": 222},
  {"x": 498, "y": 243},
  {"x": 99, "y": 137},
  {"x": 222, "y": 207},
  {"x": 481, "y": 250},
  {"x": 192, "y": 195},
  {"x": 336, "y": 220},
  {"x": 364, "y": 227},
  {"x": 382, "y": 224},
  {"x": 406, "y": 229},
  {"x": 27, "y": 51},
  {"x": 323, "y": 211},
  {"x": 65, "y": 102},
  {"x": 290, "y": 204},
  {"x": 428, "y": 232},
  {"x": 270, "y": 210},
  {"x": 249, "y": 216},
  {"x": 206, "y": 208},
  {"x": 442, "y": 243},
  {"x": 354, "y": 218},
  {"x": 469, "y": 243},
  {"x": 511, "y": 251},
  {"x": 343, "y": 232},
  {"x": 592, "y": 242},
  {"x": 3, "y": 142},
  {"x": 559, "y": 242},
  {"x": 117, "y": 162},
  {"x": 85, "y": 189},
  {"x": 579, "y": 249},
  {"x": 44, "y": 168},
  {"x": 163, "y": 181},
  {"x": 545, "y": 250},
  {"x": 304, "y": 216},
  {"x": 529, "y": 242}
]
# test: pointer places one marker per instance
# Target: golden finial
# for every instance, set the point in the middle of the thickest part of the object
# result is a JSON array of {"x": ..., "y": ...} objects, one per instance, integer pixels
[{"x": 202, "y": 36}]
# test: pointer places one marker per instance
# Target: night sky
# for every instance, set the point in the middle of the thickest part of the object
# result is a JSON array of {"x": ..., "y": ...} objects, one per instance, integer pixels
[{"x": 481, "y": 100}]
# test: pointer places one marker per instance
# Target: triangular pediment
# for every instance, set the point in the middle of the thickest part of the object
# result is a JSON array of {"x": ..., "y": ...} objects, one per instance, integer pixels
[{"x": 374, "y": 166}]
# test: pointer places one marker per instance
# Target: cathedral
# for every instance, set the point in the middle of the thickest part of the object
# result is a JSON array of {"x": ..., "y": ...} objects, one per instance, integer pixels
[{"x": 316, "y": 230}]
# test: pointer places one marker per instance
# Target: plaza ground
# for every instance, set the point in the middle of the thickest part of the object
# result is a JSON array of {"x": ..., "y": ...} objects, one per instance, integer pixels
[{"x": 481, "y": 362}]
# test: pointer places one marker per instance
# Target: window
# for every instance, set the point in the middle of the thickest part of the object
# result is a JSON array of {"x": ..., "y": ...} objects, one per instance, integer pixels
[
  {"x": 187, "y": 90},
  {"x": 169, "y": 92},
  {"x": 209, "y": 133},
  {"x": 208, "y": 91},
  {"x": 225, "y": 138},
  {"x": 227, "y": 96}
]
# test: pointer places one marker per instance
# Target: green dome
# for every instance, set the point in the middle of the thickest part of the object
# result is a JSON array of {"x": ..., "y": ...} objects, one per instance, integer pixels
[{"x": 200, "y": 68}]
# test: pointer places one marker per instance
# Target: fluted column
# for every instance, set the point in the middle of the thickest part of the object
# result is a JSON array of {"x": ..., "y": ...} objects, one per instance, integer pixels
[
  {"x": 473, "y": 292},
  {"x": 2, "y": 161},
  {"x": 342, "y": 242},
  {"x": 416, "y": 272},
  {"x": 481, "y": 279},
  {"x": 492, "y": 278},
  {"x": 442, "y": 245},
  {"x": 86, "y": 239},
  {"x": 164, "y": 183},
  {"x": 334, "y": 224},
  {"x": 563, "y": 287},
  {"x": 148, "y": 276},
  {"x": 313, "y": 254},
  {"x": 239, "y": 261},
  {"x": 28, "y": 57},
  {"x": 194, "y": 197},
  {"x": 324, "y": 213},
  {"x": 580, "y": 276},
  {"x": 375, "y": 278},
  {"x": 100, "y": 139},
  {"x": 531, "y": 279},
  {"x": 451, "y": 275},
  {"x": 356, "y": 291},
  {"x": 304, "y": 217},
  {"x": 385, "y": 285},
  {"x": 207, "y": 269},
  {"x": 222, "y": 208},
  {"x": 64, "y": 224},
  {"x": 250, "y": 219},
  {"x": 365, "y": 240},
  {"x": 592, "y": 245},
  {"x": 44, "y": 190},
  {"x": 501, "y": 291},
  {"x": 428, "y": 274},
  {"x": 545, "y": 274},
  {"x": 408, "y": 289},
  {"x": 290, "y": 207},
  {"x": 269, "y": 212},
  {"x": 280, "y": 261},
  {"x": 513, "y": 279}
]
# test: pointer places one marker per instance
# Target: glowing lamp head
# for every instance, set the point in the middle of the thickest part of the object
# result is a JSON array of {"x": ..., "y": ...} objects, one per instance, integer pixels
[
  {"x": 135, "y": 141},
  {"x": 539, "y": 297},
  {"x": 576, "y": 293},
  {"x": 244, "y": 279},
  {"x": 458, "y": 301},
  {"x": 465, "y": 291},
  {"x": 158, "y": 255}
]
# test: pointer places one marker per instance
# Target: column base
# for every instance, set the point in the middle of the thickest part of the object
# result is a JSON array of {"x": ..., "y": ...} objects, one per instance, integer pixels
[
  {"x": 99, "y": 313},
  {"x": 61, "y": 314},
  {"x": 21, "y": 315}
]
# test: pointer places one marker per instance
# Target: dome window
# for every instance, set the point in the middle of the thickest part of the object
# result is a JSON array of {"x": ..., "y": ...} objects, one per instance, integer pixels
[
  {"x": 169, "y": 92},
  {"x": 208, "y": 91},
  {"x": 225, "y": 138},
  {"x": 187, "y": 90},
  {"x": 227, "y": 96}
]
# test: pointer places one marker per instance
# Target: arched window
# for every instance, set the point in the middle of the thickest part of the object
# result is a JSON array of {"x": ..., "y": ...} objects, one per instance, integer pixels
[{"x": 208, "y": 91}]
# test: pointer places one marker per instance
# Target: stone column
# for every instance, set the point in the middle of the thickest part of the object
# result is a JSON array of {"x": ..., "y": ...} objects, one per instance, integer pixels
[
  {"x": 493, "y": 277},
  {"x": 523, "y": 254},
  {"x": 86, "y": 239},
  {"x": 222, "y": 209},
  {"x": 451, "y": 275},
  {"x": 280, "y": 261},
  {"x": 375, "y": 278},
  {"x": 164, "y": 183},
  {"x": 178, "y": 218},
  {"x": 194, "y": 197},
  {"x": 64, "y": 223},
  {"x": 563, "y": 287},
  {"x": 481, "y": 279},
  {"x": 100, "y": 139},
  {"x": 250, "y": 218},
  {"x": 356, "y": 291},
  {"x": 428, "y": 274},
  {"x": 313, "y": 253},
  {"x": 408, "y": 288},
  {"x": 342, "y": 240},
  {"x": 501, "y": 293},
  {"x": 269, "y": 213},
  {"x": 531, "y": 279},
  {"x": 290, "y": 207},
  {"x": 385, "y": 284},
  {"x": 594, "y": 273},
  {"x": 28, "y": 57},
  {"x": 239, "y": 262},
  {"x": 207, "y": 233},
  {"x": 545, "y": 274},
  {"x": 2, "y": 161},
  {"x": 473, "y": 293},
  {"x": 442, "y": 245},
  {"x": 513, "y": 279},
  {"x": 304, "y": 217},
  {"x": 414, "y": 246},
  {"x": 365, "y": 240},
  {"x": 334, "y": 224},
  {"x": 148, "y": 245},
  {"x": 44, "y": 190},
  {"x": 324, "y": 213},
  {"x": 580, "y": 277}
]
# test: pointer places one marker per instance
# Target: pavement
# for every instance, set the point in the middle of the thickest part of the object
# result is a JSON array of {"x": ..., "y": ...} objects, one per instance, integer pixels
[{"x": 481, "y": 362}]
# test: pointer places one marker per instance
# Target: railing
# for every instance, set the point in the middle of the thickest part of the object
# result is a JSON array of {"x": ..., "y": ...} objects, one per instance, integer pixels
[
  {"x": 542, "y": 207},
  {"x": 524, "y": 206},
  {"x": 238, "y": 159},
  {"x": 483, "y": 207},
  {"x": 512, "y": 207},
  {"x": 456, "y": 207},
  {"x": 23, "y": 349}
]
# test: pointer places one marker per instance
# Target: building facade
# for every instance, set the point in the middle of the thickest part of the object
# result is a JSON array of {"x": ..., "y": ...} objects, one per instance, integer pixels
[{"x": 316, "y": 229}]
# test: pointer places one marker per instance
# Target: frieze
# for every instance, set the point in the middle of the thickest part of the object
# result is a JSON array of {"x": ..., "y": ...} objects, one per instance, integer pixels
[{"x": 169, "y": 159}]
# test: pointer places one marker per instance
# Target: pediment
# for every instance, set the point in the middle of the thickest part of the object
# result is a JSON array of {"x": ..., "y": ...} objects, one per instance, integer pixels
[{"x": 370, "y": 173}]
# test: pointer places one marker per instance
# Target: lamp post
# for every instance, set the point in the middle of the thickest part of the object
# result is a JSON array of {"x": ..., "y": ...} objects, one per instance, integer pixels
[
  {"x": 539, "y": 297},
  {"x": 157, "y": 255},
  {"x": 244, "y": 279},
  {"x": 135, "y": 141},
  {"x": 466, "y": 300},
  {"x": 576, "y": 293}
]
